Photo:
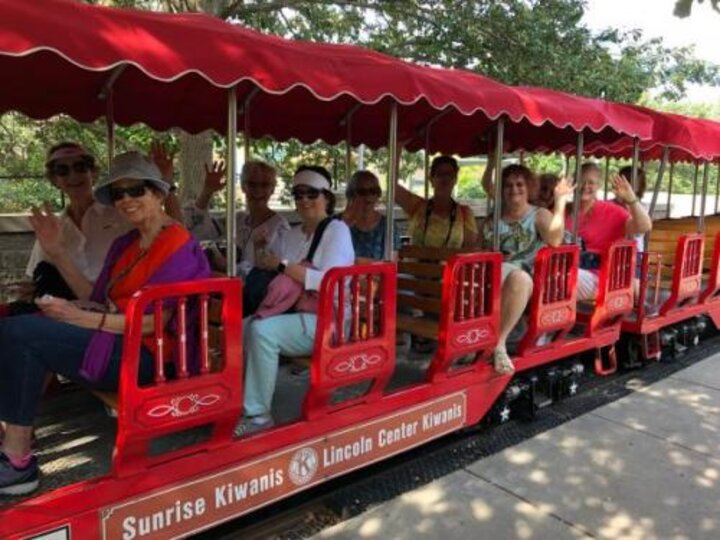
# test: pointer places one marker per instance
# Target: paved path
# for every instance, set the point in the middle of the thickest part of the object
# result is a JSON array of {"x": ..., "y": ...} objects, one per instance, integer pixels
[{"x": 643, "y": 467}]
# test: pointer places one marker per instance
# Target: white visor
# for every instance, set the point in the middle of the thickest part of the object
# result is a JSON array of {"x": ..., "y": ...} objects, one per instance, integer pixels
[{"x": 311, "y": 179}]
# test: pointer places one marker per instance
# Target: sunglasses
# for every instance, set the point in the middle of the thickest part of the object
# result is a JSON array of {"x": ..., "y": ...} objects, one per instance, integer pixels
[
  {"x": 366, "y": 192},
  {"x": 134, "y": 192},
  {"x": 312, "y": 194},
  {"x": 62, "y": 169}
]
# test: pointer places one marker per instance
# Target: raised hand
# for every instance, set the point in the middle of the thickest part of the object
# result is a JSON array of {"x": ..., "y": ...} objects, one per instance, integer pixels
[
  {"x": 563, "y": 189},
  {"x": 163, "y": 158},
  {"x": 215, "y": 176},
  {"x": 48, "y": 230},
  {"x": 622, "y": 189}
]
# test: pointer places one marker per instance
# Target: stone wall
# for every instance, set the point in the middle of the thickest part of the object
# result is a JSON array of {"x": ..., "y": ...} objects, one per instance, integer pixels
[{"x": 14, "y": 254}]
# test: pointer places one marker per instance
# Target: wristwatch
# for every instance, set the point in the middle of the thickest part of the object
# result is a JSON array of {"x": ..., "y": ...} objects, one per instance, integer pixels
[{"x": 282, "y": 266}]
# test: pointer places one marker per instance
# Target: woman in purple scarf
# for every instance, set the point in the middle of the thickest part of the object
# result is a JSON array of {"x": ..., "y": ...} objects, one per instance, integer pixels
[{"x": 85, "y": 345}]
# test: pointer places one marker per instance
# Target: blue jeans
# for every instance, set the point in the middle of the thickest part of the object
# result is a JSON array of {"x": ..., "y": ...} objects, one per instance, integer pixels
[
  {"x": 33, "y": 345},
  {"x": 291, "y": 334}
]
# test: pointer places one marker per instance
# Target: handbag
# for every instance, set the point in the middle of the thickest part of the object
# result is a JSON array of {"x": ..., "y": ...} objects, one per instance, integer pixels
[
  {"x": 282, "y": 294},
  {"x": 255, "y": 290}
]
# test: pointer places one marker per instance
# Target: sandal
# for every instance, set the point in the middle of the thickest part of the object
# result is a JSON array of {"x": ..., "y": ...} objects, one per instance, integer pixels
[{"x": 502, "y": 363}]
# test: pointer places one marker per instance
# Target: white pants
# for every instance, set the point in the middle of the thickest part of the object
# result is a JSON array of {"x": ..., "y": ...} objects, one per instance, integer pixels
[{"x": 587, "y": 285}]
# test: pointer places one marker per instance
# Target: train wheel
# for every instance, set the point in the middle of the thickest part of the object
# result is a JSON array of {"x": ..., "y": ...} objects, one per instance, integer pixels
[{"x": 630, "y": 352}]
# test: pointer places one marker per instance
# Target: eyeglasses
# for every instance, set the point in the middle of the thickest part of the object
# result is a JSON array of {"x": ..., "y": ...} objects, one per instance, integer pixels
[
  {"x": 134, "y": 192},
  {"x": 366, "y": 192},
  {"x": 62, "y": 169},
  {"x": 310, "y": 193}
]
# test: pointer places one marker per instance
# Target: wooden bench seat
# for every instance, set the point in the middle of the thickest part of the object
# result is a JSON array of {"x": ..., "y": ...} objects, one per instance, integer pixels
[
  {"x": 418, "y": 326},
  {"x": 420, "y": 272}
]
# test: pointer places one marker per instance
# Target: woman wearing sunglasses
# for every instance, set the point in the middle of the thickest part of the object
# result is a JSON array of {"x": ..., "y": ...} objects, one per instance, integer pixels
[
  {"x": 439, "y": 221},
  {"x": 83, "y": 344},
  {"x": 293, "y": 334},
  {"x": 367, "y": 225},
  {"x": 523, "y": 229},
  {"x": 86, "y": 227}
]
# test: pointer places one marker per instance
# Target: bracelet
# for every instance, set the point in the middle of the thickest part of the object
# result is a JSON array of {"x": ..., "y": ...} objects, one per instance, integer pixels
[{"x": 102, "y": 320}]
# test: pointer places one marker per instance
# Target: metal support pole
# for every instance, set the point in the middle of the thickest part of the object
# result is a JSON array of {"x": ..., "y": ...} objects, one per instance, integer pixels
[
  {"x": 247, "y": 138},
  {"x": 346, "y": 120},
  {"x": 110, "y": 124},
  {"x": 231, "y": 160},
  {"x": 635, "y": 163},
  {"x": 348, "y": 152},
  {"x": 695, "y": 186},
  {"x": 392, "y": 180},
  {"x": 717, "y": 189},
  {"x": 703, "y": 197},
  {"x": 566, "y": 170},
  {"x": 578, "y": 182},
  {"x": 607, "y": 178},
  {"x": 661, "y": 172},
  {"x": 497, "y": 209},
  {"x": 427, "y": 165},
  {"x": 361, "y": 157},
  {"x": 106, "y": 93},
  {"x": 670, "y": 186},
  {"x": 656, "y": 192}
]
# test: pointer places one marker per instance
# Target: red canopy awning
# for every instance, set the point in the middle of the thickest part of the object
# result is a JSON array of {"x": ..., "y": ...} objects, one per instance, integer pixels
[
  {"x": 174, "y": 71},
  {"x": 688, "y": 139}
]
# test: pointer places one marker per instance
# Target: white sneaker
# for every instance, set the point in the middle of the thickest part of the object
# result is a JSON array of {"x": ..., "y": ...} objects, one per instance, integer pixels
[{"x": 251, "y": 424}]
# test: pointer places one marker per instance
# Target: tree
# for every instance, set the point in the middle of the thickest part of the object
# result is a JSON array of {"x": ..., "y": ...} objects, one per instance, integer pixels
[
  {"x": 683, "y": 8},
  {"x": 532, "y": 42}
]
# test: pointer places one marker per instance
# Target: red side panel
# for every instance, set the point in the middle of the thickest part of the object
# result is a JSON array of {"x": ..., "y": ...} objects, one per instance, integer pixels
[
  {"x": 355, "y": 337},
  {"x": 687, "y": 274},
  {"x": 212, "y": 396},
  {"x": 615, "y": 294},
  {"x": 470, "y": 317},
  {"x": 552, "y": 306},
  {"x": 711, "y": 294}
]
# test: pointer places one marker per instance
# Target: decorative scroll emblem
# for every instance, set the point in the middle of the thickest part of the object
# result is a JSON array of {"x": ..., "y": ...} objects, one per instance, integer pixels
[
  {"x": 184, "y": 405},
  {"x": 357, "y": 363},
  {"x": 303, "y": 466},
  {"x": 618, "y": 303},
  {"x": 556, "y": 316},
  {"x": 689, "y": 286},
  {"x": 472, "y": 336}
]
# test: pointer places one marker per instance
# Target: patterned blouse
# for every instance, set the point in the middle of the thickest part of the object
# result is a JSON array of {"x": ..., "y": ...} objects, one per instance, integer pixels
[
  {"x": 519, "y": 240},
  {"x": 371, "y": 244}
]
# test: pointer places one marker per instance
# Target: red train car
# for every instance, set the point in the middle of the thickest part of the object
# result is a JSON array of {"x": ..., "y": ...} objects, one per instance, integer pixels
[{"x": 174, "y": 465}]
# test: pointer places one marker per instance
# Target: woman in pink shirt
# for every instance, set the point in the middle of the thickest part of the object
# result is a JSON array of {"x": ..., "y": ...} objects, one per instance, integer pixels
[{"x": 600, "y": 223}]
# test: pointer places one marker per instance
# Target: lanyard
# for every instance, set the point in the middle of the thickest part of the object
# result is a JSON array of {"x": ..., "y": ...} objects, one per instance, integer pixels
[{"x": 453, "y": 217}]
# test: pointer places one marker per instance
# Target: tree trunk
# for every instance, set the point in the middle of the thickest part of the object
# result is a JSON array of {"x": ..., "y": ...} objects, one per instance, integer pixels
[{"x": 195, "y": 152}]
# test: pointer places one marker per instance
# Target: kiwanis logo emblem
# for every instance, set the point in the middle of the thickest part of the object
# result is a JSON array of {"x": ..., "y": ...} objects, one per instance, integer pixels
[{"x": 303, "y": 466}]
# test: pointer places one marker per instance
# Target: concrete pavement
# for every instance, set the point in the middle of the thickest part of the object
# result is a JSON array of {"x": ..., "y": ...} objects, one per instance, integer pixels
[{"x": 643, "y": 467}]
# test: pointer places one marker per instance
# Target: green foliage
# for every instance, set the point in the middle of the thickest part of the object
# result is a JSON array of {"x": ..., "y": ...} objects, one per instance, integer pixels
[
  {"x": 469, "y": 182},
  {"x": 683, "y": 8},
  {"x": 532, "y": 42}
]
